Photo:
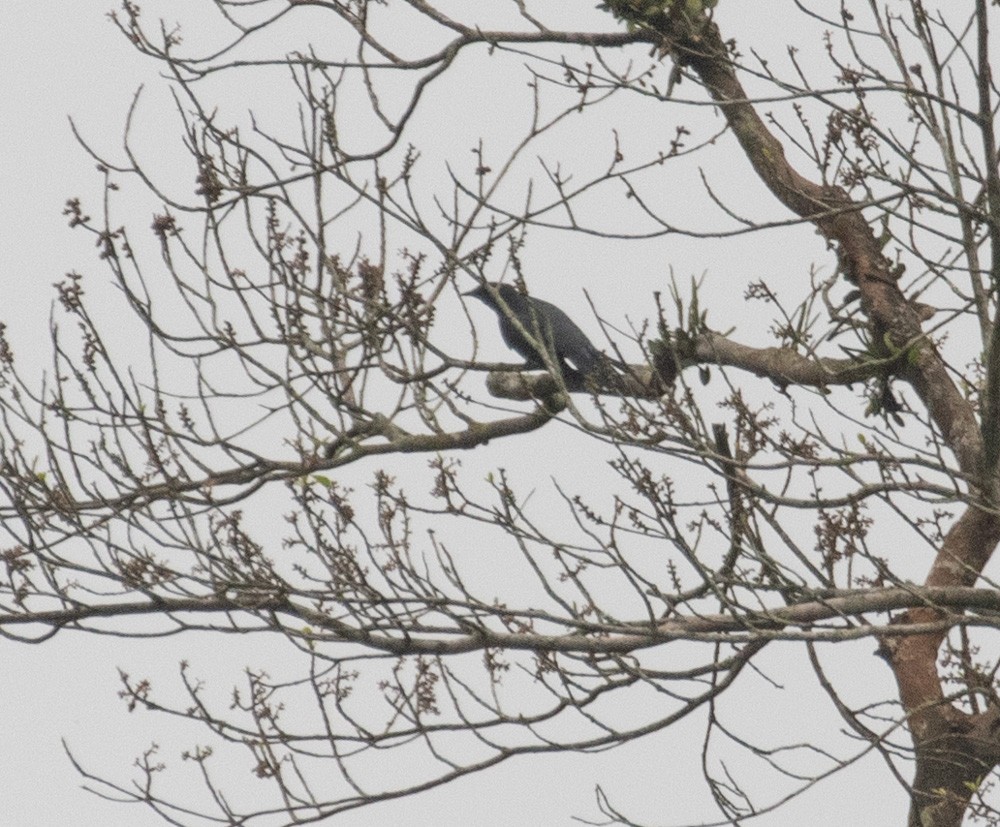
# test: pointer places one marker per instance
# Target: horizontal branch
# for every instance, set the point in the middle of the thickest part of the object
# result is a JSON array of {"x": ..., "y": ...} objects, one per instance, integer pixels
[
  {"x": 794, "y": 622},
  {"x": 344, "y": 449},
  {"x": 783, "y": 366}
]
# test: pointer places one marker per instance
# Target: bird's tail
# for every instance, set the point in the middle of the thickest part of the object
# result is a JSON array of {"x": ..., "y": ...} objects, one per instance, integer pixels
[{"x": 609, "y": 373}]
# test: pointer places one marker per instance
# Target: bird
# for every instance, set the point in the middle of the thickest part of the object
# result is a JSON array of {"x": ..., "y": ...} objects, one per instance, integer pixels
[{"x": 548, "y": 326}]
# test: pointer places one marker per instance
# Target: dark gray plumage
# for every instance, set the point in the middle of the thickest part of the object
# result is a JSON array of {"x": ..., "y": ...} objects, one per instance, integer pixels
[{"x": 549, "y": 327}]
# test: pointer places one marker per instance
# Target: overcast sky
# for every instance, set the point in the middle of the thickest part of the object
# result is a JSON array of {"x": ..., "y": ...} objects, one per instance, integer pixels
[{"x": 62, "y": 59}]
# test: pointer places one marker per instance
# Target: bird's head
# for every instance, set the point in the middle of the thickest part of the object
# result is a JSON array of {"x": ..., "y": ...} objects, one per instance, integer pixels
[
  {"x": 483, "y": 293},
  {"x": 478, "y": 293}
]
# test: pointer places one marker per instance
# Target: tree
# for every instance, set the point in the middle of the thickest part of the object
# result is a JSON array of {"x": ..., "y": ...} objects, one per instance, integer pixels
[{"x": 192, "y": 461}]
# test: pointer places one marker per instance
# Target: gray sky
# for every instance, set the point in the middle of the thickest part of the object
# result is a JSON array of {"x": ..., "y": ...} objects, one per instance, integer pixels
[{"x": 61, "y": 59}]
